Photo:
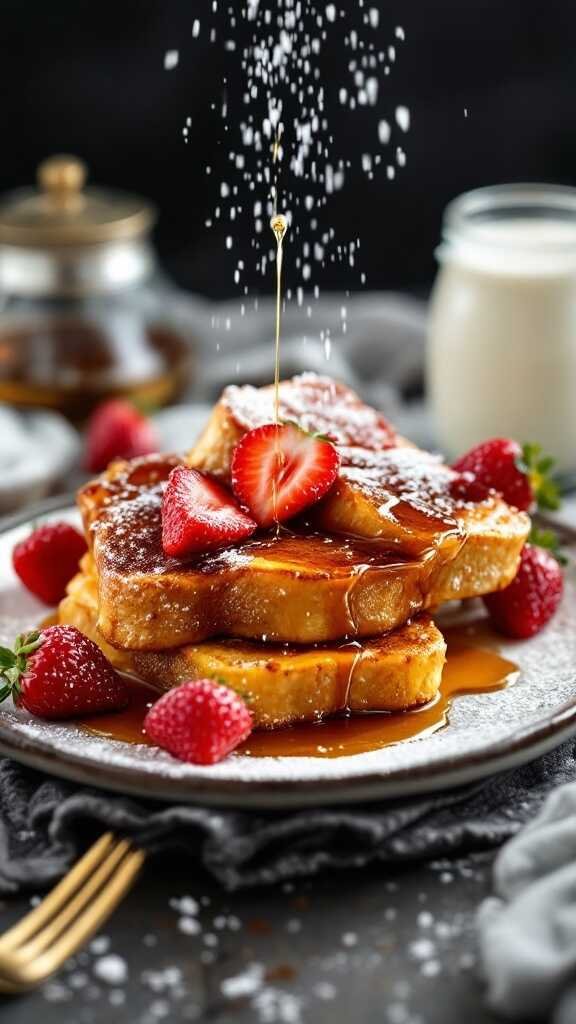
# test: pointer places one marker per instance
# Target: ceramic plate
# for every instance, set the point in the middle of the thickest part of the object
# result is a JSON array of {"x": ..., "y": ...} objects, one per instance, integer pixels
[{"x": 486, "y": 733}]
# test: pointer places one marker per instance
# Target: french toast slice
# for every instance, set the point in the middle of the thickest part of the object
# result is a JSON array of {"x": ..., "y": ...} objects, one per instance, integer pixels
[
  {"x": 283, "y": 586},
  {"x": 285, "y": 685},
  {"x": 318, "y": 404},
  {"x": 387, "y": 489},
  {"x": 403, "y": 496}
]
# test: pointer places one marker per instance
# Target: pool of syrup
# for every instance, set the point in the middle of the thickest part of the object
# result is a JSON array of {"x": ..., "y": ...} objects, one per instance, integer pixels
[{"x": 472, "y": 666}]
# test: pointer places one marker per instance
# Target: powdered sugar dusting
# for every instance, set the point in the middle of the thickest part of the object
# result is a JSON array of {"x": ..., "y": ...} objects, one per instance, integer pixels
[
  {"x": 318, "y": 404},
  {"x": 484, "y": 730}
]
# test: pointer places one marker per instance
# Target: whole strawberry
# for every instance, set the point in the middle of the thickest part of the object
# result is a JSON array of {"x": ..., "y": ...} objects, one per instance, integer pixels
[
  {"x": 529, "y": 602},
  {"x": 47, "y": 559},
  {"x": 118, "y": 430},
  {"x": 200, "y": 722},
  {"x": 519, "y": 474},
  {"x": 59, "y": 673}
]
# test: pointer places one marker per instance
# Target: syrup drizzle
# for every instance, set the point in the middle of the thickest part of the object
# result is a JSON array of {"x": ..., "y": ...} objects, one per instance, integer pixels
[
  {"x": 356, "y": 661},
  {"x": 468, "y": 670},
  {"x": 278, "y": 224},
  {"x": 471, "y": 667}
]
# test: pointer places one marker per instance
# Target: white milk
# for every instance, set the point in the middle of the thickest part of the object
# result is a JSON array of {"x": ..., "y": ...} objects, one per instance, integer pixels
[{"x": 502, "y": 334}]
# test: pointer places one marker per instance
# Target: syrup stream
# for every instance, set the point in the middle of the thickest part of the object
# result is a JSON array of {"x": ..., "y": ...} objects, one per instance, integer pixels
[{"x": 279, "y": 224}]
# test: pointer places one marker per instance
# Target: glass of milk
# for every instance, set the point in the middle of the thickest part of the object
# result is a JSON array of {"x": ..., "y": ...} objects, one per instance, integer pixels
[{"x": 501, "y": 357}]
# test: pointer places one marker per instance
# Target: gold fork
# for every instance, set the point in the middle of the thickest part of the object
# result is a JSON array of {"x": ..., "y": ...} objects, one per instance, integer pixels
[{"x": 38, "y": 945}]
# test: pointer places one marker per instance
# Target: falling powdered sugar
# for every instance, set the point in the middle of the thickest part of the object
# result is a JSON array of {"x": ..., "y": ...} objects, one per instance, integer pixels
[{"x": 281, "y": 122}]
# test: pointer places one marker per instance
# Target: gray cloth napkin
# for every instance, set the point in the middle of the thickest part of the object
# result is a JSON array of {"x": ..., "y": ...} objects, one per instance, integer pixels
[
  {"x": 45, "y": 823},
  {"x": 528, "y": 932}
]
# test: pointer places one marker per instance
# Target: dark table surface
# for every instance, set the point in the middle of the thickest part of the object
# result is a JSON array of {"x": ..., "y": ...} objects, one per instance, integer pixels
[{"x": 366, "y": 946}]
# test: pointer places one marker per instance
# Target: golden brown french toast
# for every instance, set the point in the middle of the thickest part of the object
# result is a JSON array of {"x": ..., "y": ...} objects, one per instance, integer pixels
[
  {"x": 80, "y": 608},
  {"x": 389, "y": 540},
  {"x": 387, "y": 489},
  {"x": 403, "y": 496},
  {"x": 286, "y": 586},
  {"x": 287, "y": 684},
  {"x": 318, "y": 404}
]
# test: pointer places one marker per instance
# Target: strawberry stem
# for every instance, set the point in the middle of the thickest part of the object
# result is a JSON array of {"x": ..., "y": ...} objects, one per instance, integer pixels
[
  {"x": 308, "y": 433},
  {"x": 13, "y": 663},
  {"x": 549, "y": 540},
  {"x": 537, "y": 468}
]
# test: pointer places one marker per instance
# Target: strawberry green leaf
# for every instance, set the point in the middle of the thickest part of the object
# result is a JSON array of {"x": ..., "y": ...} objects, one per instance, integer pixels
[
  {"x": 545, "y": 464},
  {"x": 13, "y": 675},
  {"x": 549, "y": 540},
  {"x": 7, "y": 658},
  {"x": 308, "y": 433},
  {"x": 13, "y": 663},
  {"x": 547, "y": 495},
  {"x": 27, "y": 643},
  {"x": 537, "y": 468}
]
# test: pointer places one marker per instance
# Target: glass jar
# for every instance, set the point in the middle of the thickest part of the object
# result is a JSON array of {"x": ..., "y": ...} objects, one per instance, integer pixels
[
  {"x": 501, "y": 355},
  {"x": 84, "y": 313}
]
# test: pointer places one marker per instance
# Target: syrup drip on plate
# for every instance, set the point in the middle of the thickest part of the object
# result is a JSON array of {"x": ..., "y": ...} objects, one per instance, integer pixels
[
  {"x": 468, "y": 670},
  {"x": 471, "y": 668}
]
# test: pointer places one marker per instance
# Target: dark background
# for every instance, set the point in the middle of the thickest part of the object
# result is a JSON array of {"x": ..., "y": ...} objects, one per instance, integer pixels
[{"x": 89, "y": 79}]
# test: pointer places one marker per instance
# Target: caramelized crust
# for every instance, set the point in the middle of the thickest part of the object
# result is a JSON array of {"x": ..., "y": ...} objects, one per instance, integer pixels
[
  {"x": 402, "y": 496},
  {"x": 387, "y": 489},
  {"x": 292, "y": 586},
  {"x": 282, "y": 684},
  {"x": 388, "y": 541}
]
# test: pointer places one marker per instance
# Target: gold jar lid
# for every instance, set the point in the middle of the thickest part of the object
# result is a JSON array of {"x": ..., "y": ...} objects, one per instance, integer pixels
[{"x": 62, "y": 212}]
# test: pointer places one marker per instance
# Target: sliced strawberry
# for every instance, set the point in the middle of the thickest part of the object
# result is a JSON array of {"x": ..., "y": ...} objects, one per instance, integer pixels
[
  {"x": 278, "y": 471},
  {"x": 200, "y": 515},
  {"x": 118, "y": 430}
]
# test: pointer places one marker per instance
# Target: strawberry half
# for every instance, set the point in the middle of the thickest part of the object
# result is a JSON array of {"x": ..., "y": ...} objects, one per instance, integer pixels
[
  {"x": 280, "y": 470},
  {"x": 200, "y": 515}
]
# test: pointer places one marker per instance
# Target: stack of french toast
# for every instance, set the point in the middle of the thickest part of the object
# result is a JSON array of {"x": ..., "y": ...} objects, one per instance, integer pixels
[{"x": 328, "y": 613}]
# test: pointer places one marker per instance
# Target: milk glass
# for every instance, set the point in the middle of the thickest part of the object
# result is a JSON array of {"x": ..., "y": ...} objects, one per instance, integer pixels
[{"x": 501, "y": 356}]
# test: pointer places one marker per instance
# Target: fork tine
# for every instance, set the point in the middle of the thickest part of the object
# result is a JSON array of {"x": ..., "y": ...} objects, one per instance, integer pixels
[
  {"x": 51, "y": 903},
  {"x": 47, "y": 935},
  {"x": 86, "y": 924}
]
